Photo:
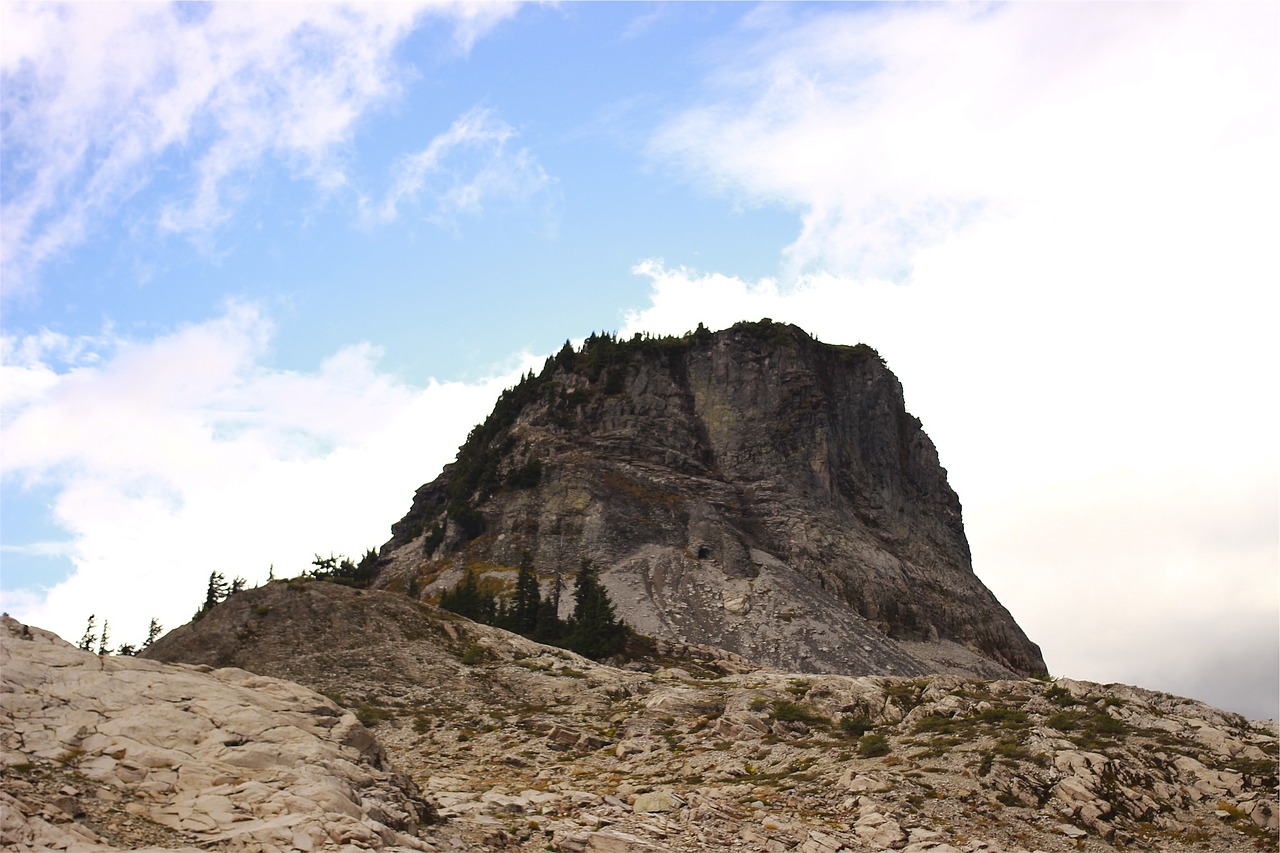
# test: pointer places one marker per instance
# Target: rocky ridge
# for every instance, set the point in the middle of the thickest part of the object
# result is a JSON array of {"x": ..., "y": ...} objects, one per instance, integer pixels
[
  {"x": 751, "y": 489},
  {"x": 526, "y": 747},
  {"x": 103, "y": 752}
]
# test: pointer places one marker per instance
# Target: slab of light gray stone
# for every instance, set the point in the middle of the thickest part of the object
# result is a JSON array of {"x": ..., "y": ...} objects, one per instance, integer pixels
[{"x": 233, "y": 760}]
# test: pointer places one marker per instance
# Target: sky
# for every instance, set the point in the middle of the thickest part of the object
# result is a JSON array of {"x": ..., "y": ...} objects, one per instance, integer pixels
[{"x": 262, "y": 267}]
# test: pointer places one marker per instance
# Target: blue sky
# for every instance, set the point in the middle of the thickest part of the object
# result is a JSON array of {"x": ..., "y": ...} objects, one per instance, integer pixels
[{"x": 264, "y": 266}]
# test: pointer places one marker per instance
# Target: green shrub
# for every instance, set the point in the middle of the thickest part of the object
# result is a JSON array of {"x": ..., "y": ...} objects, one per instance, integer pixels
[
  {"x": 1009, "y": 718},
  {"x": 873, "y": 746},
  {"x": 855, "y": 725},
  {"x": 1063, "y": 721},
  {"x": 475, "y": 654},
  {"x": 794, "y": 712},
  {"x": 371, "y": 715}
]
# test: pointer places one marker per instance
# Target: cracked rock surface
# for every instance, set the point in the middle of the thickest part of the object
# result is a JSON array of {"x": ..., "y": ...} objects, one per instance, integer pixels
[
  {"x": 527, "y": 747},
  {"x": 118, "y": 752}
]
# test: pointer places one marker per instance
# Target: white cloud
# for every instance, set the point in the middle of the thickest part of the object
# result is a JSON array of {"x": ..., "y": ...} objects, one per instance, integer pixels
[
  {"x": 175, "y": 457},
  {"x": 463, "y": 168},
  {"x": 1118, "y": 477},
  {"x": 892, "y": 130},
  {"x": 97, "y": 94}
]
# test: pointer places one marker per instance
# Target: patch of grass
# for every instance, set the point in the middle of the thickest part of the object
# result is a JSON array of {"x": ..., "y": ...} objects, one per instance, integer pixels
[
  {"x": 370, "y": 715},
  {"x": 1011, "y": 750},
  {"x": 855, "y": 725},
  {"x": 794, "y": 712},
  {"x": 907, "y": 694},
  {"x": 70, "y": 756},
  {"x": 1064, "y": 721},
  {"x": 1007, "y": 718},
  {"x": 873, "y": 746},
  {"x": 938, "y": 724},
  {"x": 475, "y": 654},
  {"x": 1261, "y": 768}
]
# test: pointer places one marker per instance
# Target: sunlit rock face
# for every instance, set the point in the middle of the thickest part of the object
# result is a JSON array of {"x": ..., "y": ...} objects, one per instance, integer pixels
[
  {"x": 103, "y": 752},
  {"x": 751, "y": 489}
]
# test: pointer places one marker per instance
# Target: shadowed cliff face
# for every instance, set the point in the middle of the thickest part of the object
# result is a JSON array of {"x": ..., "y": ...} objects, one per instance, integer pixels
[{"x": 751, "y": 489}]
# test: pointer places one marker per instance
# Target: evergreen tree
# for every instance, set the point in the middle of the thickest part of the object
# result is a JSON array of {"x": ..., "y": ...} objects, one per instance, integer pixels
[
  {"x": 216, "y": 591},
  {"x": 524, "y": 609},
  {"x": 467, "y": 600},
  {"x": 103, "y": 648},
  {"x": 324, "y": 566},
  {"x": 550, "y": 629},
  {"x": 594, "y": 630},
  {"x": 153, "y": 633},
  {"x": 89, "y": 639}
]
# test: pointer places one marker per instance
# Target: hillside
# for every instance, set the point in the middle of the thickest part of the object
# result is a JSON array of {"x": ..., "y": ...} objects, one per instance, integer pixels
[{"x": 528, "y": 747}]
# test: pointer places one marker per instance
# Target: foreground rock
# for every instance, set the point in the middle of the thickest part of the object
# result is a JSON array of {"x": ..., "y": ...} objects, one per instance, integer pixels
[
  {"x": 526, "y": 747},
  {"x": 117, "y": 752}
]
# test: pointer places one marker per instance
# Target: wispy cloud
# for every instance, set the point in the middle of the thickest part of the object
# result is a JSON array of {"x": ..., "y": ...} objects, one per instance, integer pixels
[
  {"x": 96, "y": 95},
  {"x": 472, "y": 163},
  {"x": 894, "y": 129},
  {"x": 154, "y": 443}
]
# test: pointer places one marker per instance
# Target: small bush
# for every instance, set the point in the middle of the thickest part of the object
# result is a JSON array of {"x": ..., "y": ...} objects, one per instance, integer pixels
[
  {"x": 855, "y": 725},
  {"x": 937, "y": 724},
  {"x": 475, "y": 654},
  {"x": 1009, "y": 718},
  {"x": 1063, "y": 721},
  {"x": 371, "y": 715},
  {"x": 793, "y": 712},
  {"x": 873, "y": 746}
]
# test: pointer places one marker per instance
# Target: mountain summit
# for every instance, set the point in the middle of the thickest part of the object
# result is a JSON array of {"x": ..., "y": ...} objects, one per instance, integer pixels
[{"x": 751, "y": 489}]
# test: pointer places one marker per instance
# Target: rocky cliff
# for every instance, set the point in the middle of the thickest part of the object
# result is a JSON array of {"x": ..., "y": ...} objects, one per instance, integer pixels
[
  {"x": 525, "y": 747},
  {"x": 751, "y": 489}
]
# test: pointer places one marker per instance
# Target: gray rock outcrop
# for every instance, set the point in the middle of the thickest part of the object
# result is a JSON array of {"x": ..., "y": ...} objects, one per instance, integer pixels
[
  {"x": 102, "y": 752},
  {"x": 526, "y": 747},
  {"x": 752, "y": 489}
]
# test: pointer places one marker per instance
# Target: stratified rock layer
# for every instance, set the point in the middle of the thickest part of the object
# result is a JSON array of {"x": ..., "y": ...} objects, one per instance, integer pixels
[
  {"x": 751, "y": 489},
  {"x": 105, "y": 752}
]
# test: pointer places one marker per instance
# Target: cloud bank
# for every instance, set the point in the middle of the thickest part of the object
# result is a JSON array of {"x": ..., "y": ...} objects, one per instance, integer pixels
[{"x": 187, "y": 454}]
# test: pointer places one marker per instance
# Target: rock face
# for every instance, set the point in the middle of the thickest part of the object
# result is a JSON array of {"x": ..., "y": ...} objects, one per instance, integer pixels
[
  {"x": 117, "y": 752},
  {"x": 752, "y": 489},
  {"x": 530, "y": 748}
]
